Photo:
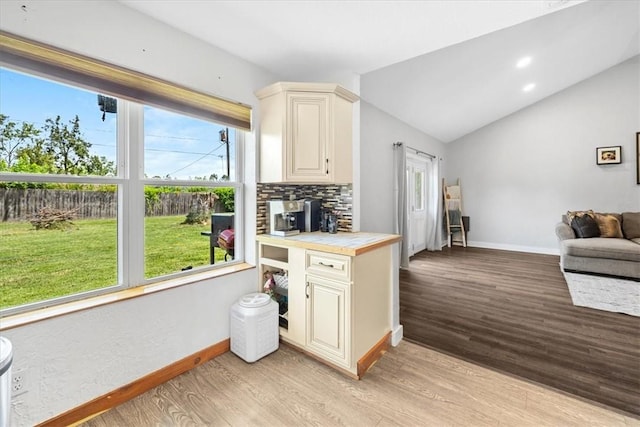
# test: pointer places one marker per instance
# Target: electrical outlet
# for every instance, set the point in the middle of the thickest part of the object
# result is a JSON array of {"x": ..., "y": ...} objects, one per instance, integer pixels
[{"x": 18, "y": 382}]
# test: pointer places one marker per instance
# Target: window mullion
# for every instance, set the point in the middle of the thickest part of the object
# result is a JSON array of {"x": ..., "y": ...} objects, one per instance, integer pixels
[
  {"x": 132, "y": 215},
  {"x": 239, "y": 195},
  {"x": 122, "y": 165}
]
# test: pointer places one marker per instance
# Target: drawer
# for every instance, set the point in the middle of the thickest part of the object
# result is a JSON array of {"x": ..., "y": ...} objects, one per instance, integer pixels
[{"x": 329, "y": 265}]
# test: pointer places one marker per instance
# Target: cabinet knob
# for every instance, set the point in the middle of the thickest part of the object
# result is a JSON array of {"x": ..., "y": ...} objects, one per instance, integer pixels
[
  {"x": 306, "y": 290},
  {"x": 327, "y": 162}
]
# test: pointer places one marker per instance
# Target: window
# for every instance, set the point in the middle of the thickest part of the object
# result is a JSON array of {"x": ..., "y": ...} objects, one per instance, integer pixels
[
  {"x": 418, "y": 176},
  {"x": 100, "y": 193},
  {"x": 185, "y": 149}
]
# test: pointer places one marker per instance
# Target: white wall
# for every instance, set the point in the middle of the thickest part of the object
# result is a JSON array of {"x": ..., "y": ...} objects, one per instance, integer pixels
[
  {"x": 521, "y": 173},
  {"x": 75, "y": 358},
  {"x": 70, "y": 360},
  {"x": 378, "y": 132}
]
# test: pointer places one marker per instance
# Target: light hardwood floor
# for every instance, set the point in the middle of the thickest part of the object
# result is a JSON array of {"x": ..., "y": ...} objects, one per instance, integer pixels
[{"x": 410, "y": 386}]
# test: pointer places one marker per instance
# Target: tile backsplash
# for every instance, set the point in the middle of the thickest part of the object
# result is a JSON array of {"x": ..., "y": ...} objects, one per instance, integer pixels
[{"x": 336, "y": 197}]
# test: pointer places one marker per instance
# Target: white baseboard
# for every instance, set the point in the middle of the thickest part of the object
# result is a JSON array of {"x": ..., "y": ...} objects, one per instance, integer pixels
[
  {"x": 515, "y": 248},
  {"x": 396, "y": 336}
]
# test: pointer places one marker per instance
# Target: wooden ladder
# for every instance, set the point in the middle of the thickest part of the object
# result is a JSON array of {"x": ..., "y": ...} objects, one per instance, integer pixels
[{"x": 452, "y": 195}]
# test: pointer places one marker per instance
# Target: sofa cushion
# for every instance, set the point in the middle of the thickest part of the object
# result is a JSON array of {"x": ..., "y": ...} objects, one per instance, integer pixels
[
  {"x": 573, "y": 214},
  {"x": 609, "y": 225},
  {"x": 631, "y": 224},
  {"x": 585, "y": 226},
  {"x": 599, "y": 247}
]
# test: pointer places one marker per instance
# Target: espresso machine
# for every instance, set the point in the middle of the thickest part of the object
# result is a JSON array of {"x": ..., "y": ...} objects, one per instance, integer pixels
[{"x": 286, "y": 217}]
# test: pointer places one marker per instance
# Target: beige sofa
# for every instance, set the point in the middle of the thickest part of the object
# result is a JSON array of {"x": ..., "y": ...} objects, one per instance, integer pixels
[{"x": 613, "y": 256}]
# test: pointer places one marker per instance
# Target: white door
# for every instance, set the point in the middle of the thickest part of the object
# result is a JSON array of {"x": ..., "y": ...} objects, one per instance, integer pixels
[{"x": 417, "y": 209}]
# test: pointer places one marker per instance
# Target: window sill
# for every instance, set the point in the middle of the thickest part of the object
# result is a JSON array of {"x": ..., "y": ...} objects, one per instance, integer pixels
[{"x": 38, "y": 315}]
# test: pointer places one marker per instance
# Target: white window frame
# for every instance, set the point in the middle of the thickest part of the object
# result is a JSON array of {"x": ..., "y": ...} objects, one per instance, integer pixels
[{"x": 130, "y": 182}]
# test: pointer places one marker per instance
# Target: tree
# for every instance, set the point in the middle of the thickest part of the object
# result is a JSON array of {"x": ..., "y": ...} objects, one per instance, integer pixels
[
  {"x": 70, "y": 151},
  {"x": 34, "y": 159},
  {"x": 99, "y": 165},
  {"x": 13, "y": 139},
  {"x": 63, "y": 151}
]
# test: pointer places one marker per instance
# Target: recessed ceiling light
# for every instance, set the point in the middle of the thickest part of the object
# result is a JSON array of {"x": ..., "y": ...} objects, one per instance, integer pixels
[
  {"x": 523, "y": 62},
  {"x": 529, "y": 87}
]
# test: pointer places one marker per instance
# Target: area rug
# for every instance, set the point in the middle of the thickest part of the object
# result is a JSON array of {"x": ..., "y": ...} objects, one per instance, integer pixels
[{"x": 604, "y": 293}]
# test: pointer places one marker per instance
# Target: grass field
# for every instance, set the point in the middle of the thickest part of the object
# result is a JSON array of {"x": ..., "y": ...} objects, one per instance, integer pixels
[{"x": 37, "y": 265}]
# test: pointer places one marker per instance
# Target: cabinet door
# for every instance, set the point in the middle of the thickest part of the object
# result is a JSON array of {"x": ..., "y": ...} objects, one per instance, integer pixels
[
  {"x": 328, "y": 319},
  {"x": 308, "y": 137}
]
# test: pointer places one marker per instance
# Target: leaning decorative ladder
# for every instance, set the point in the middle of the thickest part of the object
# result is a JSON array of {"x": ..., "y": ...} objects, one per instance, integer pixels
[{"x": 452, "y": 195}]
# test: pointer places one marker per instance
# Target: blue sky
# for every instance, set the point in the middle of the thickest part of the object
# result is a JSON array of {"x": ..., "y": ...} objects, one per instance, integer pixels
[{"x": 179, "y": 146}]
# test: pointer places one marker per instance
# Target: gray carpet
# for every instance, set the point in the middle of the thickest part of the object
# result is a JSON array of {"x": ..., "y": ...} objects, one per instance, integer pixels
[{"x": 604, "y": 293}]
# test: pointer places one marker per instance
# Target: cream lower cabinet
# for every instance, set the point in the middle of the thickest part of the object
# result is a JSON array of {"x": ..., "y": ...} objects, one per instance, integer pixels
[
  {"x": 338, "y": 306},
  {"x": 329, "y": 320}
]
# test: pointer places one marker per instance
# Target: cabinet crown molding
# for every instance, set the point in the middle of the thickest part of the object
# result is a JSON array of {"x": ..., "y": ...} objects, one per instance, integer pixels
[{"x": 334, "y": 88}]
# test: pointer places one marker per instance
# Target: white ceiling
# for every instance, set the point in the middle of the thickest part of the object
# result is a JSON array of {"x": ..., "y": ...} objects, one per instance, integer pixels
[
  {"x": 454, "y": 91},
  {"x": 445, "y": 67}
]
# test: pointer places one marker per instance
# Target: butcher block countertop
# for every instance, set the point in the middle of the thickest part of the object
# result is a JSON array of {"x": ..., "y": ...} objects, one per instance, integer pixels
[{"x": 342, "y": 243}]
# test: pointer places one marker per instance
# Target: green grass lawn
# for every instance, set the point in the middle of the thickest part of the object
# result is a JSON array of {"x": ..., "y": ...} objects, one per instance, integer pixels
[{"x": 37, "y": 265}]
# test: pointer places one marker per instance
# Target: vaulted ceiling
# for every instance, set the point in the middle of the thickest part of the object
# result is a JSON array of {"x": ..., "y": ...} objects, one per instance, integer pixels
[{"x": 444, "y": 67}]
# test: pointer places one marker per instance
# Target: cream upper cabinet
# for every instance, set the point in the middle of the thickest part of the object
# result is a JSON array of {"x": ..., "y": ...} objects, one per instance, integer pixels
[{"x": 306, "y": 133}]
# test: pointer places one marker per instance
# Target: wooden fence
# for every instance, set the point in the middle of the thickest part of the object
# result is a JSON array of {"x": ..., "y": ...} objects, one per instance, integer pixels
[{"x": 21, "y": 204}]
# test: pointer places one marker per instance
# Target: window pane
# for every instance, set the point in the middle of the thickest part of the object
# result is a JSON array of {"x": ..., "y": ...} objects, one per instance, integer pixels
[
  {"x": 181, "y": 147},
  {"x": 57, "y": 240},
  {"x": 178, "y": 231},
  {"x": 419, "y": 180},
  {"x": 49, "y": 127}
]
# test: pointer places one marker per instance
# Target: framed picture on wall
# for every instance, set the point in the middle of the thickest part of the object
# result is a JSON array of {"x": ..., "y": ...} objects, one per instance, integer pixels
[
  {"x": 638, "y": 158},
  {"x": 609, "y": 155}
]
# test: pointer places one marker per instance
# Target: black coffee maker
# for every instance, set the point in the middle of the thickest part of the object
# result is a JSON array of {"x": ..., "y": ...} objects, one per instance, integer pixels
[{"x": 312, "y": 215}]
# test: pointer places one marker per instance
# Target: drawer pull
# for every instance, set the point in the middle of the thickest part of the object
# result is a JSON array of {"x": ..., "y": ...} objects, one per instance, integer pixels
[{"x": 326, "y": 265}]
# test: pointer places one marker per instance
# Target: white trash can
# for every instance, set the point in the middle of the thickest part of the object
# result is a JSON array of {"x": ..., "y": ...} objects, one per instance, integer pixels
[
  {"x": 254, "y": 327},
  {"x": 6, "y": 359}
]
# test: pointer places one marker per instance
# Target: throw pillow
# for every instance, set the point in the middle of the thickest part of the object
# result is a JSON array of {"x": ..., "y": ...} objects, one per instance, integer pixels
[
  {"x": 609, "y": 226},
  {"x": 573, "y": 214},
  {"x": 585, "y": 226},
  {"x": 631, "y": 224}
]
